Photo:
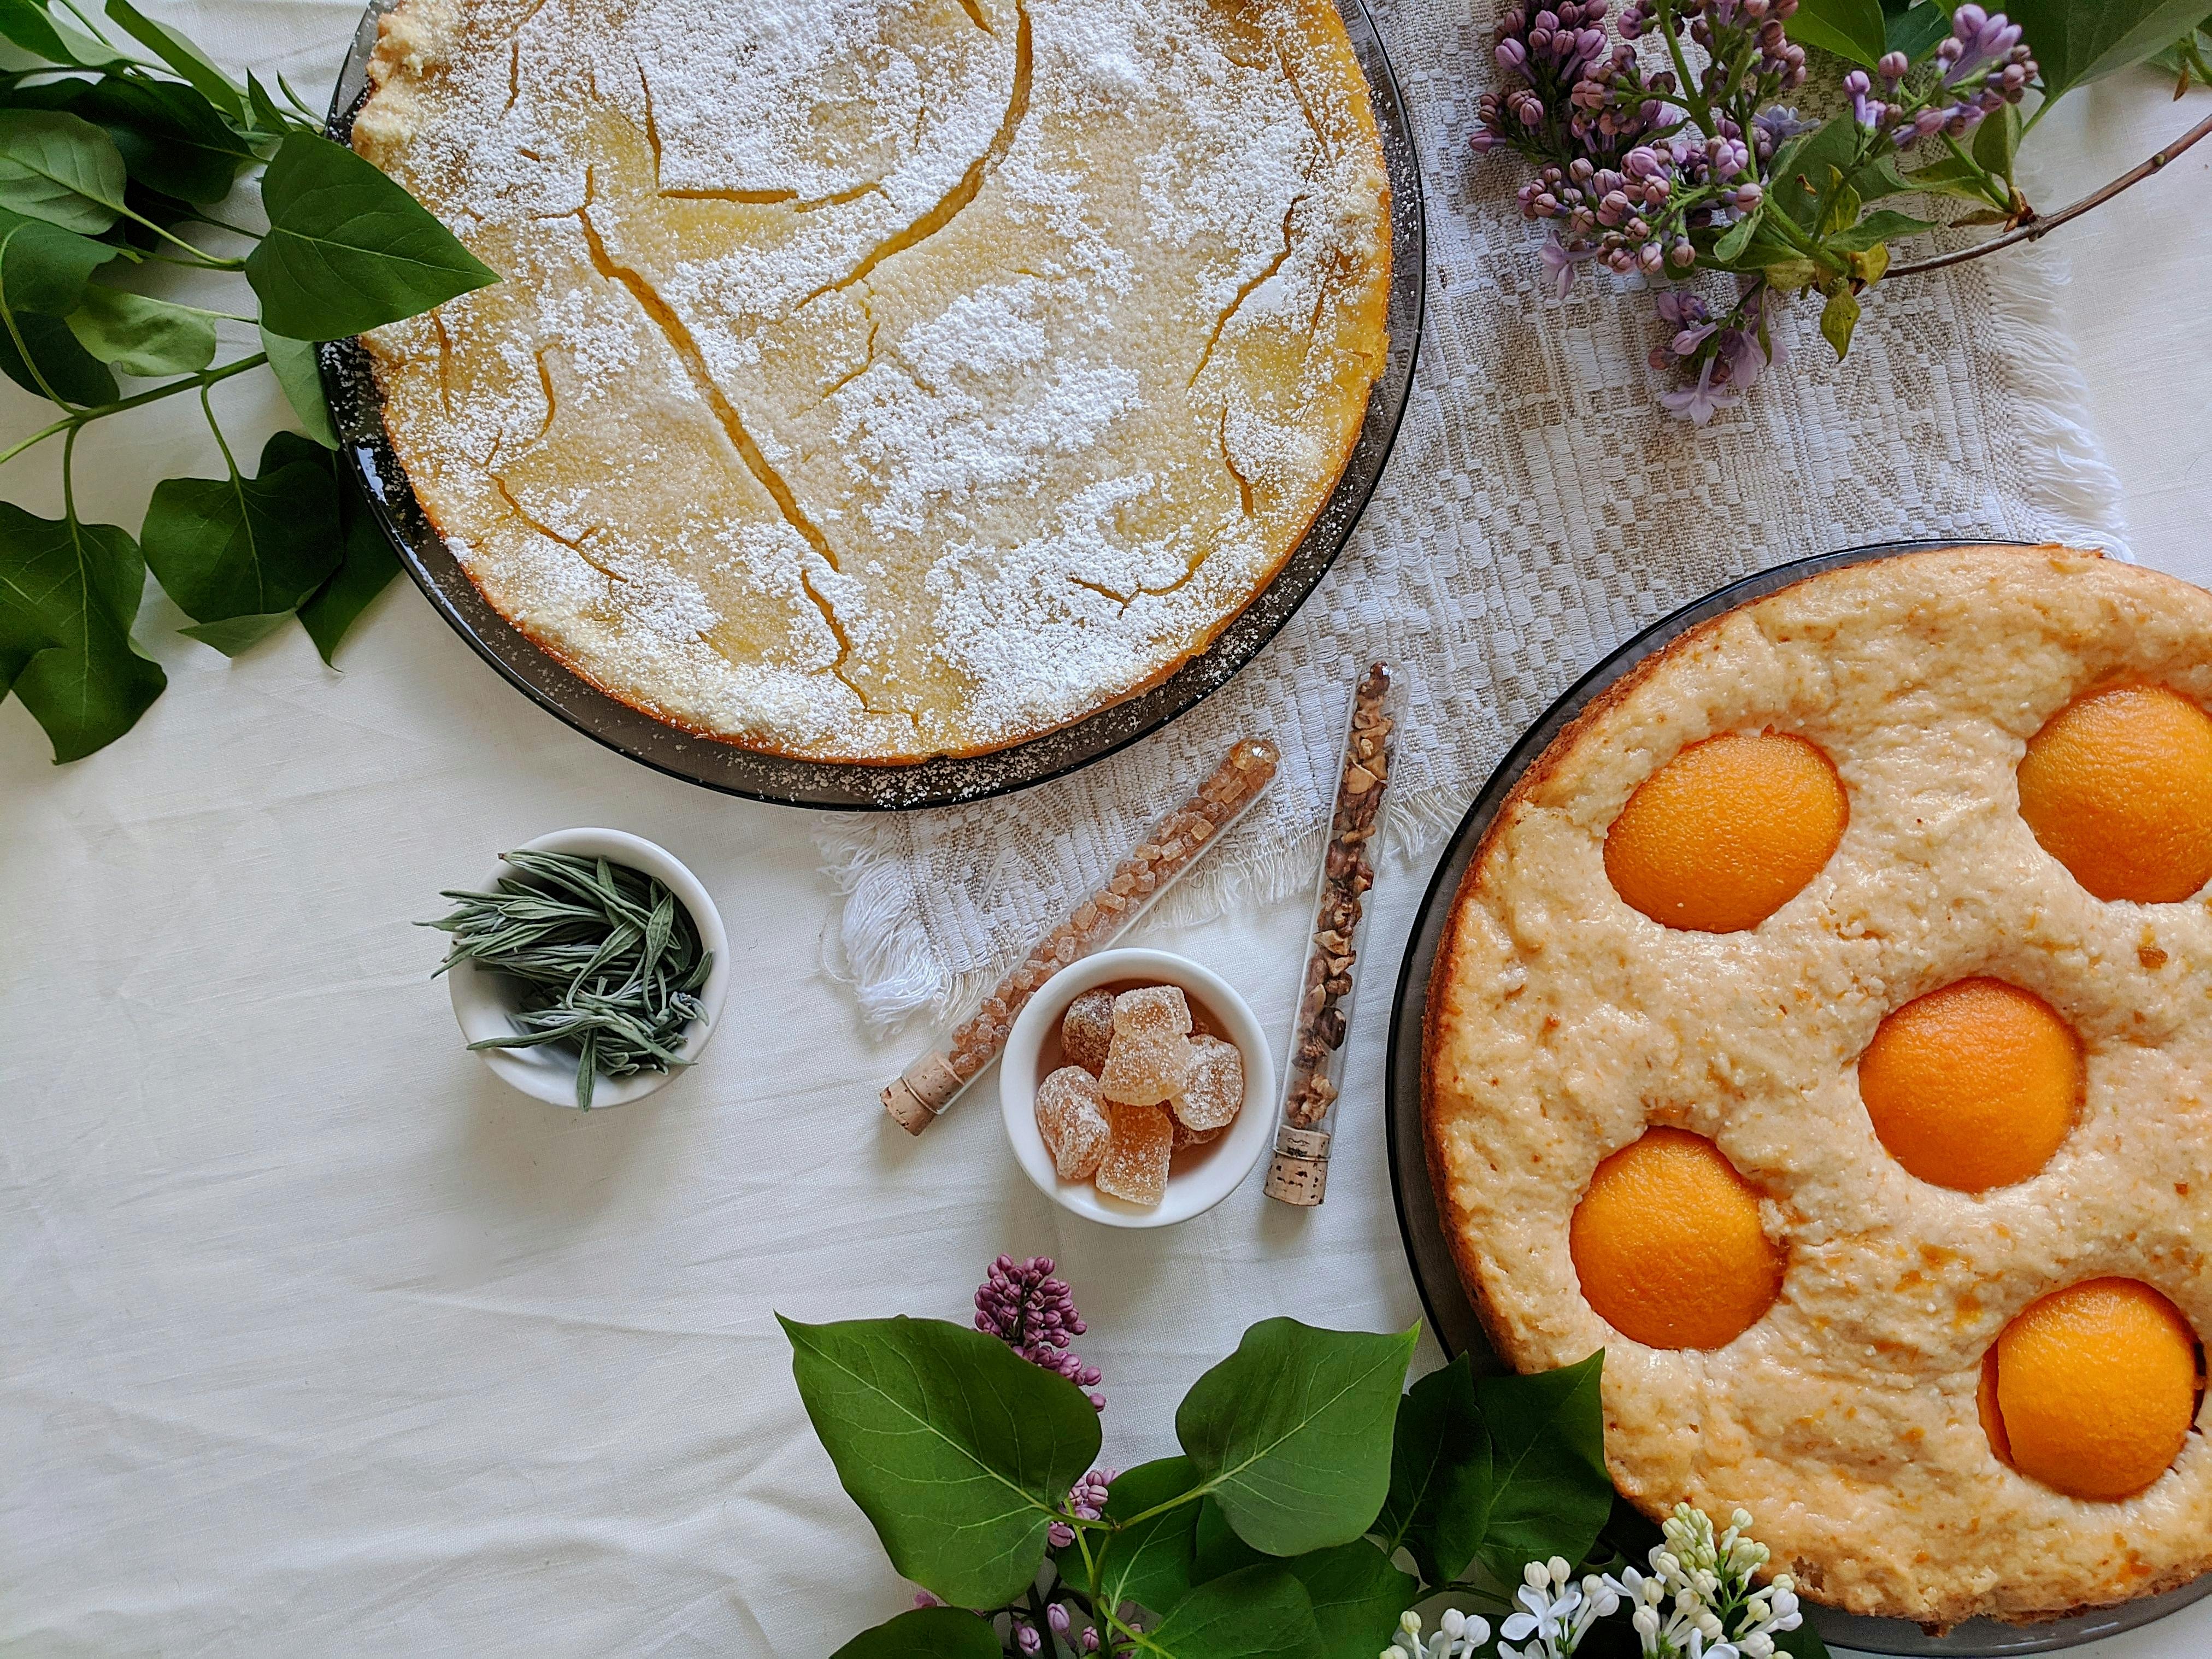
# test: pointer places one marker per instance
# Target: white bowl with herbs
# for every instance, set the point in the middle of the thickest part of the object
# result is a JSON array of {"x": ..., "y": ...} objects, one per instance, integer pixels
[{"x": 588, "y": 969}]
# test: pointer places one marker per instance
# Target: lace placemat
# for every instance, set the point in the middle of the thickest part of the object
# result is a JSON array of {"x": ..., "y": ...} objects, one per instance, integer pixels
[{"x": 1538, "y": 508}]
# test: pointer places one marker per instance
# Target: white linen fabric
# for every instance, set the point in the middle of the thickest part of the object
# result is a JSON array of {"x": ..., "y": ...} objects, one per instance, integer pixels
[
  {"x": 317, "y": 1339},
  {"x": 1536, "y": 510}
]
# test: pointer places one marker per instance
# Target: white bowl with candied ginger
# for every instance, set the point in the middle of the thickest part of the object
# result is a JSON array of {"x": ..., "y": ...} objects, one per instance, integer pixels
[{"x": 1102, "y": 1160}]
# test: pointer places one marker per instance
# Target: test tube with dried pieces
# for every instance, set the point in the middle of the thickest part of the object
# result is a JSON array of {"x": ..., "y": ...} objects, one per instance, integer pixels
[
  {"x": 1174, "y": 844},
  {"x": 1299, "y": 1171}
]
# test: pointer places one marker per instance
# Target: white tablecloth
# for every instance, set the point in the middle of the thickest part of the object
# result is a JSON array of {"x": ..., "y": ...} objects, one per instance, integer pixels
[{"x": 318, "y": 1340}]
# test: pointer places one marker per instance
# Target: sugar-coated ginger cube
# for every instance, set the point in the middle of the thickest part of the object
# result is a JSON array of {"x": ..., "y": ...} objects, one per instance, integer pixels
[
  {"x": 1086, "y": 1029},
  {"x": 1214, "y": 1092},
  {"x": 1135, "y": 1167},
  {"x": 1073, "y": 1120},
  {"x": 1149, "y": 1057}
]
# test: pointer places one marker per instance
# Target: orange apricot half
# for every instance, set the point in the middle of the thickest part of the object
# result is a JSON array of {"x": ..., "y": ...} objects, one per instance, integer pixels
[
  {"x": 1727, "y": 832},
  {"x": 1667, "y": 1245},
  {"x": 2118, "y": 787}
]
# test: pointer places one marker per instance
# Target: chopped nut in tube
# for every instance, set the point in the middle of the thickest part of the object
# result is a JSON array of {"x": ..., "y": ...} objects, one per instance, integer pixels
[
  {"x": 1299, "y": 1172},
  {"x": 1174, "y": 844}
]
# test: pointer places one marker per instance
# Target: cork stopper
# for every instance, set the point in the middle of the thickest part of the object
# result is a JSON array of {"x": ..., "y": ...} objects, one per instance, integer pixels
[
  {"x": 1299, "y": 1171},
  {"x": 923, "y": 1090}
]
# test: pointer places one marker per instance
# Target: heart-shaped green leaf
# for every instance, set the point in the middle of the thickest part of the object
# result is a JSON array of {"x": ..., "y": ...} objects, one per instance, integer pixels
[
  {"x": 958, "y": 1451},
  {"x": 1357, "y": 1596},
  {"x": 171, "y": 138},
  {"x": 349, "y": 249},
  {"x": 61, "y": 169},
  {"x": 77, "y": 586},
  {"x": 1260, "y": 1613},
  {"x": 228, "y": 548},
  {"x": 1215, "y": 1550},
  {"x": 1849, "y": 29},
  {"x": 926, "y": 1633},
  {"x": 134, "y": 334},
  {"x": 1548, "y": 1493},
  {"x": 57, "y": 366},
  {"x": 1914, "y": 30},
  {"x": 1292, "y": 1432},
  {"x": 1150, "y": 1561}
]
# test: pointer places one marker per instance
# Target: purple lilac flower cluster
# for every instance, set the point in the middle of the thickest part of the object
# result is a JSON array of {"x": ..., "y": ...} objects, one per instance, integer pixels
[
  {"x": 1984, "y": 65},
  {"x": 1728, "y": 354},
  {"x": 1086, "y": 1500},
  {"x": 1034, "y": 1313}
]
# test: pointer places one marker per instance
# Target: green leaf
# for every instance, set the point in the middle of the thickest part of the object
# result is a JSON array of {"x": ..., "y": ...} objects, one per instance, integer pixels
[
  {"x": 171, "y": 138},
  {"x": 1548, "y": 1493},
  {"x": 365, "y": 571},
  {"x": 234, "y": 635},
  {"x": 1259, "y": 1613},
  {"x": 958, "y": 1451},
  {"x": 300, "y": 374},
  {"x": 229, "y": 548},
  {"x": 2078, "y": 40},
  {"x": 1838, "y": 318},
  {"x": 1996, "y": 141},
  {"x": 180, "y": 55},
  {"x": 1357, "y": 1596},
  {"x": 1914, "y": 30},
  {"x": 1292, "y": 1432},
  {"x": 926, "y": 1633},
  {"x": 1440, "y": 1451},
  {"x": 1880, "y": 226},
  {"x": 30, "y": 26},
  {"x": 44, "y": 268},
  {"x": 134, "y": 335},
  {"x": 61, "y": 169},
  {"x": 1802, "y": 170},
  {"x": 1217, "y": 1550},
  {"x": 1951, "y": 175},
  {"x": 66, "y": 367},
  {"x": 349, "y": 249},
  {"x": 1849, "y": 29},
  {"x": 1149, "y": 1563},
  {"x": 1737, "y": 237},
  {"x": 76, "y": 585},
  {"x": 268, "y": 119},
  {"x": 1843, "y": 205}
]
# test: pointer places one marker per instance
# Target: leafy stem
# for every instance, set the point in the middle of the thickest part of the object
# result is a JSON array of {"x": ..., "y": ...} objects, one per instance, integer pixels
[
  {"x": 1693, "y": 99},
  {"x": 85, "y": 416},
  {"x": 2050, "y": 222},
  {"x": 1998, "y": 195}
]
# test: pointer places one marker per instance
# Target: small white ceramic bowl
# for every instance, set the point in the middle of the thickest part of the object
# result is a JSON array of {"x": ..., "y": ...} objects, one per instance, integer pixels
[
  {"x": 484, "y": 1002},
  {"x": 1202, "y": 1176}
]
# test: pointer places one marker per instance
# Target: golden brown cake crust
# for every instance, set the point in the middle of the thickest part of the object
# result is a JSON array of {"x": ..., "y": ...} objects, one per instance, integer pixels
[
  {"x": 872, "y": 380},
  {"x": 1560, "y": 1023}
]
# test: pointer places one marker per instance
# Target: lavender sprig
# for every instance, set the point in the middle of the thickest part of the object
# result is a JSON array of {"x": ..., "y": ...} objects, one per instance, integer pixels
[{"x": 1022, "y": 1304}]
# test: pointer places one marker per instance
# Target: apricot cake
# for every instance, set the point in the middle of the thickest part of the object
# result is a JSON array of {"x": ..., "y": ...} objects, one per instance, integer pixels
[
  {"x": 874, "y": 380},
  {"x": 1821, "y": 1030}
]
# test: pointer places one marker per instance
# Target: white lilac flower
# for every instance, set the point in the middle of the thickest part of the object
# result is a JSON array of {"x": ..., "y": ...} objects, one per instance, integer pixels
[
  {"x": 1556, "y": 1614},
  {"x": 1457, "y": 1637}
]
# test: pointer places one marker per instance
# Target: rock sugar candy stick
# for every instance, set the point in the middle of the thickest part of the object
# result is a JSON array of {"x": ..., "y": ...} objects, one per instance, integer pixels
[
  {"x": 1299, "y": 1172},
  {"x": 1154, "y": 865}
]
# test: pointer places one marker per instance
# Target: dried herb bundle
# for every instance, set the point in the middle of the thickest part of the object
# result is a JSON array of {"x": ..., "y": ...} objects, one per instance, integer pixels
[{"x": 611, "y": 964}]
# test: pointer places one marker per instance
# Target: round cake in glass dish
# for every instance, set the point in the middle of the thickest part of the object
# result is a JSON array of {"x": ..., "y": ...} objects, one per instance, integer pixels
[
  {"x": 877, "y": 379},
  {"x": 1823, "y": 1030}
]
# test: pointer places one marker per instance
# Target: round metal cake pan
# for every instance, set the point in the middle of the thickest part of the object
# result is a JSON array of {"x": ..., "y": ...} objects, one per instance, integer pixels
[
  {"x": 356, "y": 411},
  {"x": 1453, "y": 1318}
]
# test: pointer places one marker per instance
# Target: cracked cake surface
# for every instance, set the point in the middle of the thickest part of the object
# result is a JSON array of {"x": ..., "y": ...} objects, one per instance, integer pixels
[
  {"x": 872, "y": 380},
  {"x": 1562, "y": 1024}
]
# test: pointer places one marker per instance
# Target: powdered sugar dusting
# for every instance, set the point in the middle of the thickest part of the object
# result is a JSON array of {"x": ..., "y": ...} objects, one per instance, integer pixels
[{"x": 873, "y": 378}]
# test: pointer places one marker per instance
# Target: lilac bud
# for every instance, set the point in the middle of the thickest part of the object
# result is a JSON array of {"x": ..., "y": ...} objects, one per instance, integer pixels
[
  {"x": 1512, "y": 57},
  {"x": 1590, "y": 43},
  {"x": 1893, "y": 64},
  {"x": 1056, "y": 1616},
  {"x": 1747, "y": 197},
  {"x": 1549, "y": 21},
  {"x": 1091, "y": 1639},
  {"x": 1683, "y": 255},
  {"x": 1967, "y": 21},
  {"x": 1929, "y": 120},
  {"x": 1530, "y": 110},
  {"x": 1513, "y": 22},
  {"x": 1643, "y": 162},
  {"x": 1650, "y": 259},
  {"x": 1027, "y": 1639},
  {"x": 1580, "y": 169},
  {"x": 1856, "y": 82},
  {"x": 1594, "y": 10}
]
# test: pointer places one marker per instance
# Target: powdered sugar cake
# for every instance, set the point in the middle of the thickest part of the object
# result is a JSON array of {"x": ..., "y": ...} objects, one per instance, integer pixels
[{"x": 874, "y": 381}]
